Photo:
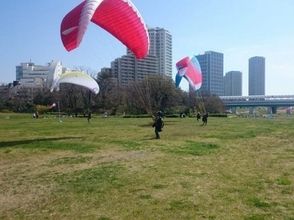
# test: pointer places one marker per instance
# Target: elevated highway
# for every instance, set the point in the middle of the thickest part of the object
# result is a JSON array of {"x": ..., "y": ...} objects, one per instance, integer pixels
[{"x": 271, "y": 101}]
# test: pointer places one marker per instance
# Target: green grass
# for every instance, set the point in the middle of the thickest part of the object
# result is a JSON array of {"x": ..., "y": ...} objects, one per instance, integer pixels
[
  {"x": 283, "y": 181},
  {"x": 114, "y": 168},
  {"x": 195, "y": 148},
  {"x": 258, "y": 203}
]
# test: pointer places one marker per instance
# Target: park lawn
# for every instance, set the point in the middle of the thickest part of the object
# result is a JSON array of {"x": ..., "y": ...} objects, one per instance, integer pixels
[{"x": 113, "y": 168}]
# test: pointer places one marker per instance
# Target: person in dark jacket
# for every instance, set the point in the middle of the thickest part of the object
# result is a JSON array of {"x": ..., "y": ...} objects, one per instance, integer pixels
[
  {"x": 158, "y": 124},
  {"x": 204, "y": 119},
  {"x": 198, "y": 116},
  {"x": 89, "y": 116}
]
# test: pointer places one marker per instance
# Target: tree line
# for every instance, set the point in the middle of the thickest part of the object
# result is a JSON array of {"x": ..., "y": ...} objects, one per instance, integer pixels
[{"x": 152, "y": 94}]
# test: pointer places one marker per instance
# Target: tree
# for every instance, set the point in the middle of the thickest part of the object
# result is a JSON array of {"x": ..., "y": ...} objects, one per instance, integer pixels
[
  {"x": 153, "y": 93},
  {"x": 21, "y": 101},
  {"x": 110, "y": 96},
  {"x": 73, "y": 98},
  {"x": 4, "y": 94},
  {"x": 44, "y": 97},
  {"x": 213, "y": 104}
]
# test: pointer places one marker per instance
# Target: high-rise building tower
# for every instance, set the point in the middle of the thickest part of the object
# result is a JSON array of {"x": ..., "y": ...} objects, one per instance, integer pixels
[
  {"x": 256, "y": 76},
  {"x": 128, "y": 69},
  {"x": 233, "y": 83},
  {"x": 212, "y": 66},
  {"x": 161, "y": 47}
]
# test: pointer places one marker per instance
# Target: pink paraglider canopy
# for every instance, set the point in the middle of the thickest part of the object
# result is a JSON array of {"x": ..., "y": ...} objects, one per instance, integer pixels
[{"x": 118, "y": 17}]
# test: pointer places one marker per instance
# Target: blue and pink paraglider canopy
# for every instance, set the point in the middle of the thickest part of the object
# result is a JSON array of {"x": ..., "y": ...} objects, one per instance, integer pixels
[{"x": 189, "y": 69}]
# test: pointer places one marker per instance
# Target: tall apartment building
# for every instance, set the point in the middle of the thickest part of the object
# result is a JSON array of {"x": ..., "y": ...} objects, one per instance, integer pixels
[
  {"x": 256, "y": 82},
  {"x": 233, "y": 83},
  {"x": 161, "y": 47},
  {"x": 128, "y": 69},
  {"x": 212, "y": 66},
  {"x": 30, "y": 75}
]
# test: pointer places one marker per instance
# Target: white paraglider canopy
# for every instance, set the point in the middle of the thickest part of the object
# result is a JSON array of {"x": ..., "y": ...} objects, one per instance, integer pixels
[{"x": 77, "y": 78}]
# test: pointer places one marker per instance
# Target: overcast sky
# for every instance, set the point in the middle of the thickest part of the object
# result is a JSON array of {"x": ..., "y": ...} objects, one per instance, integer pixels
[{"x": 238, "y": 28}]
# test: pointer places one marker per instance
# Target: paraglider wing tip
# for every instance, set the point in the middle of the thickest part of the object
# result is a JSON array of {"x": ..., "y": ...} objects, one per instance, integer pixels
[
  {"x": 69, "y": 49},
  {"x": 96, "y": 91}
]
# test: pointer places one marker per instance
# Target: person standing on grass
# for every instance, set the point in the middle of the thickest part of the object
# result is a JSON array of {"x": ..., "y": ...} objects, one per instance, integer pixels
[
  {"x": 198, "y": 116},
  {"x": 158, "y": 124},
  {"x": 89, "y": 116},
  {"x": 204, "y": 119}
]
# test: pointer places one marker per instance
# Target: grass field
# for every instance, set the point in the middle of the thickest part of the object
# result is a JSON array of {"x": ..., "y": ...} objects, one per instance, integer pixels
[{"x": 113, "y": 168}]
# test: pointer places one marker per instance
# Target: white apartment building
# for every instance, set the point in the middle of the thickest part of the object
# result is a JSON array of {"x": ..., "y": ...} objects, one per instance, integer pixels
[
  {"x": 30, "y": 75},
  {"x": 161, "y": 47}
]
